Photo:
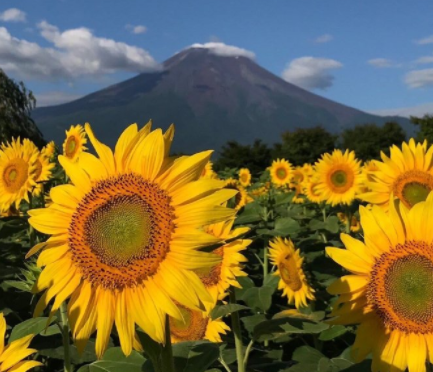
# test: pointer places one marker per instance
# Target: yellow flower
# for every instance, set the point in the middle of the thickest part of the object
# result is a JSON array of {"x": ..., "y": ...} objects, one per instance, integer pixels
[
  {"x": 354, "y": 223},
  {"x": 196, "y": 326},
  {"x": 339, "y": 177},
  {"x": 281, "y": 172},
  {"x": 49, "y": 150},
  {"x": 75, "y": 142},
  {"x": 310, "y": 191},
  {"x": 126, "y": 236},
  {"x": 389, "y": 289},
  {"x": 292, "y": 278},
  {"x": 208, "y": 171},
  {"x": 219, "y": 278},
  {"x": 245, "y": 177},
  {"x": 12, "y": 355},
  {"x": 407, "y": 174},
  {"x": 240, "y": 199},
  {"x": 17, "y": 166}
]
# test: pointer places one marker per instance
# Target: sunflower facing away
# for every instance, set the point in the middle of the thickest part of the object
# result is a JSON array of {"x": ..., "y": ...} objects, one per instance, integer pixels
[
  {"x": 12, "y": 355},
  {"x": 281, "y": 172},
  {"x": 17, "y": 168},
  {"x": 389, "y": 289},
  {"x": 125, "y": 237},
  {"x": 407, "y": 174},
  {"x": 196, "y": 326},
  {"x": 339, "y": 177},
  {"x": 75, "y": 142},
  {"x": 289, "y": 268},
  {"x": 43, "y": 168},
  {"x": 219, "y": 278},
  {"x": 241, "y": 197},
  {"x": 245, "y": 177}
]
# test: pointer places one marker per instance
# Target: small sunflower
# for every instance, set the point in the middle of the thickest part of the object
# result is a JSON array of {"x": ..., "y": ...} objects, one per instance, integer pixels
[
  {"x": 75, "y": 142},
  {"x": 208, "y": 171},
  {"x": 126, "y": 236},
  {"x": 245, "y": 177},
  {"x": 240, "y": 199},
  {"x": 292, "y": 278},
  {"x": 195, "y": 326},
  {"x": 389, "y": 289},
  {"x": 281, "y": 172},
  {"x": 219, "y": 278},
  {"x": 354, "y": 222},
  {"x": 407, "y": 174},
  {"x": 339, "y": 177},
  {"x": 17, "y": 168},
  {"x": 49, "y": 150},
  {"x": 12, "y": 355},
  {"x": 310, "y": 191},
  {"x": 298, "y": 177}
]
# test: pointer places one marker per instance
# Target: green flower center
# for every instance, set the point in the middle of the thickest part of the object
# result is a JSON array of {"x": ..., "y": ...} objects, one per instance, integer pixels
[
  {"x": 72, "y": 145},
  {"x": 281, "y": 173},
  {"x": 12, "y": 175},
  {"x": 15, "y": 175},
  {"x": 415, "y": 192},
  {"x": 339, "y": 178}
]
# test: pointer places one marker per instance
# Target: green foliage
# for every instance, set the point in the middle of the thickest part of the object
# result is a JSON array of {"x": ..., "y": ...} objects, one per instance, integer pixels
[
  {"x": 304, "y": 145},
  {"x": 425, "y": 127},
  {"x": 16, "y": 104},
  {"x": 369, "y": 140}
]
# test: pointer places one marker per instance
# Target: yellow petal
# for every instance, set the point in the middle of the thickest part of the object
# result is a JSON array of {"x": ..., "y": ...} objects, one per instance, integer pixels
[
  {"x": 103, "y": 151},
  {"x": 349, "y": 260}
]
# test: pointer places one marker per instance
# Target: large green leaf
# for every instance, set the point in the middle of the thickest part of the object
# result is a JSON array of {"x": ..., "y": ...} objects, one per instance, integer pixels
[
  {"x": 195, "y": 356},
  {"x": 30, "y": 326},
  {"x": 259, "y": 297},
  {"x": 223, "y": 310}
]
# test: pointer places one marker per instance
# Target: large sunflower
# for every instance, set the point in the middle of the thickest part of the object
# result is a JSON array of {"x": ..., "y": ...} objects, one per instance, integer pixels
[
  {"x": 281, "y": 172},
  {"x": 17, "y": 168},
  {"x": 196, "y": 326},
  {"x": 245, "y": 177},
  {"x": 339, "y": 177},
  {"x": 407, "y": 174},
  {"x": 219, "y": 278},
  {"x": 292, "y": 278},
  {"x": 12, "y": 355},
  {"x": 389, "y": 289},
  {"x": 75, "y": 142},
  {"x": 125, "y": 237}
]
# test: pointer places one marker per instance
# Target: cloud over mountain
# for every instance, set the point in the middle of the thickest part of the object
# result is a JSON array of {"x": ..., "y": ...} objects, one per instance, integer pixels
[{"x": 224, "y": 50}]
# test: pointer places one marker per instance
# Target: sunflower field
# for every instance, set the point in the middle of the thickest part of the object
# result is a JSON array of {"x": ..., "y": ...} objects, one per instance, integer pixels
[{"x": 133, "y": 260}]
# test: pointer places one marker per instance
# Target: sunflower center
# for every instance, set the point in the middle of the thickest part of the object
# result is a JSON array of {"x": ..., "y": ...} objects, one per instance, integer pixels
[
  {"x": 210, "y": 276},
  {"x": 15, "y": 175},
  {"x": 281, "y": 173},
  {"x": 71, "y": 146},
  {"x": 341, "y": 180},
  {"x": 121, "y": 231},
  {"x": 244, "y": 178},
  {"x": 413, "y": 187},
  {"x": 38, "y": 170},
  {"x": 191, "y": 328},
  {"x": 289, "y": 273},
  {"x": 400, "y": 287}
]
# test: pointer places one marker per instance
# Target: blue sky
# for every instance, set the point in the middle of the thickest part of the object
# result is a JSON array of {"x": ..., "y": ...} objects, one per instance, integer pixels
[{"x": 375, "y": 56}]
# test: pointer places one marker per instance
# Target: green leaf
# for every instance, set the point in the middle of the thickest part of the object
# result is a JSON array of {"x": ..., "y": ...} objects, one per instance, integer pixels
[
  {"x": 360, "y": 367},
  {"x": 316, "y": 225},
  {"x": 272, "y": 281},
  {"x": 30, "y": 326},
  {"x": 246, "y": 283},
  {"x": 194, "y": 356},
  {"x": 223, "y": 310},
  {"x": 115, "y": 361},
  {"x": 251, "y": 321},
  {"x": 252, "y": 212},
  {"x": 331, "y": 224},
  {"x": 286, "y": 226},
  {"x": 332, "y": 332},
  {"x": 307, "y": 354},
  {"x": 258, "y": 297}
]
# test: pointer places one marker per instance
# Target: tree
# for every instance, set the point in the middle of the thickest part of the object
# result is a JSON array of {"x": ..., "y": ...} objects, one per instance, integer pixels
[
  {"x": 369, "y": 140},
  {"x": 304, "y": 145},
  {"x": 16, "y": 104},
  {"x": 425, "y": 128},
  {"x": 255, "y": 157}
]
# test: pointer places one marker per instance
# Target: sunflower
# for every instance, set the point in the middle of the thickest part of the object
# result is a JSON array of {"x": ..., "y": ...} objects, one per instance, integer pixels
[
  {"x": 240, "y": 199},
  {"x": 219, "y": 278},
  {"x": 407, "y": 174},
  {"x": 126, "y": 236},
  {"x": 245, "y": 177},
  {"x": 17, "y": 166},
  {"x": 311, "y": 192},
  {"x": 12, "y": 355},
  {"x": 354, "y": 223},
  {"x": 49, "y": 150},
  {"x": 339, "y": 177},
  {"x": 208, "y": 171},
  {"x": 75, "y": 142},
  {"x": 196, "y": 326},
  {"x": 298, "y": 177},
  {"x": 281, "y": 172},
  {"x": 389, "y": 289},
  {"x": 292, "y": 278}
]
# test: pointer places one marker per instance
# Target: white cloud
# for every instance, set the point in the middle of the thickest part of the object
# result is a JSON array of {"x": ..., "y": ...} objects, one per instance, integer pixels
[
  {"x": 325, "y": 38},
  {"x": 419, "y": 110},
  {"x": 138, "y": 29},
  {"x": 225, "y": 50},
  {"x": 426, "y": 40},
  {"x": 380, "y": 62},
  {"x": 424, "y": 60},
  {"x": 419, "y": 78},
  {"x": 74, "y": 53},
  {"x": 13, "y": 15},
  {"x": 311, "y": 72},
  {"x": 55, "y": 98}
]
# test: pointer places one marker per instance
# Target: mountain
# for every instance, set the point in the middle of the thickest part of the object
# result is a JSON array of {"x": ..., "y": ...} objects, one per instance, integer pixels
[{"x": 211, "y": 99}]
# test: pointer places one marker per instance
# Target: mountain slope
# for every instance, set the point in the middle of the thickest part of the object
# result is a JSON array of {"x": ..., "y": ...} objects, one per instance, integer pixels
[{"x": 210, "y": 98}]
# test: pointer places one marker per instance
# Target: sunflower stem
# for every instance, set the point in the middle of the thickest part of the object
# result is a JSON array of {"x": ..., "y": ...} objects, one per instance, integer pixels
[
  {"x": 349, "y": 219},
  {"x": 236, "y": 326},
  {"x": 65, "y": 335},
  {"x": 324, "y": 213},
  {"x": 247, "y": 353},
  {"x": 167, "y": 361}
]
